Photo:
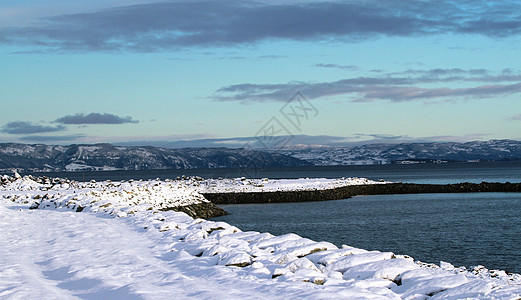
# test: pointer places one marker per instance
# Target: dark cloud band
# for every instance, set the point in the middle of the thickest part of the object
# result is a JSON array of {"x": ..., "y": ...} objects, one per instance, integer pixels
[
  {"x": 409, "y": 85},
  {"x": 166, "y": 26}
]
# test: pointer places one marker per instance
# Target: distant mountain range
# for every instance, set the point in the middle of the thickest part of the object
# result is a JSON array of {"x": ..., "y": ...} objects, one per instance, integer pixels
[
  {"x": 493, "y": 150},
  {"x": 33, "y": 158}
]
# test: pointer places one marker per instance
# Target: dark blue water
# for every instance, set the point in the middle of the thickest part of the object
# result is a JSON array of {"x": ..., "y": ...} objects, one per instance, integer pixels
[
  {"x": 464, "y": 229},
  {"x": 419, "y": 173}
]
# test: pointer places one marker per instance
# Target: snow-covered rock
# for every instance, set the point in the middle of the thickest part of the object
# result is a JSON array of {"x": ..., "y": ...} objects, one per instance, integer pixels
[
  {"x": 117, "y": 198},
  {"x": 243, "y": 185}
]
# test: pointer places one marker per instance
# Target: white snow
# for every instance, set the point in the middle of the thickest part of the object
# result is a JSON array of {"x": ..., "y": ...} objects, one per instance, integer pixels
[
  {"x": 88, "y": 148},
  {"x": 245, "y": 185},
  {"x": 80, "y": 166},
  {"x": 122, "y": 246}
]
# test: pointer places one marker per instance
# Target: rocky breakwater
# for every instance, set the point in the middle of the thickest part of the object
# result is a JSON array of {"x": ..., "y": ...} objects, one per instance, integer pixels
[
  {"x": 202, "y": 210},
  {"x": 348, "y": 191},
  {"x": 119, "y": 198}
]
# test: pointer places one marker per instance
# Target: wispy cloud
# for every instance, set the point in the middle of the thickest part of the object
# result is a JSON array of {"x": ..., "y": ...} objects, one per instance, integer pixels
[
  {"x": 52, "y": 138},
  {"x": 239, "y": 142},
  {"x": 95, "y": 118},
  {"x": 306, "y": 140},
  {"x": 21, "y": 127},
  {"x": 271, "y": 56},
  {"x": 515, "y": 118},
  {"x": 336, "y": 66},
  {"x": 409, "y": 85},
  {"x": 172, "y": 25}
]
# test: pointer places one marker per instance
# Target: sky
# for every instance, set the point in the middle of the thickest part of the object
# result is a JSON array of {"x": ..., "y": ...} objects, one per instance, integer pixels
[{"x": 214, "y": 72}]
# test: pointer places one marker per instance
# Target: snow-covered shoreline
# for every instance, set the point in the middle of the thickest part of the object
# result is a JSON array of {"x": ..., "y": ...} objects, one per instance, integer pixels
[
  {"x": 213, "y": 258},
  {"x": 246, "y": 185}
]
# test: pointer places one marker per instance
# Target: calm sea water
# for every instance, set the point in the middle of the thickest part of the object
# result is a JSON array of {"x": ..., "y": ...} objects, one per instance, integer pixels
[
  {"x": 464, "y": 229},
  {"x": 418, "y": 173}
]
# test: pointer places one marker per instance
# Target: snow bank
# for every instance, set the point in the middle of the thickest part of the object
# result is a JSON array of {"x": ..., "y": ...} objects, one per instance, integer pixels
[
  {"x": 244, "y": 185},
  {"x": 232, "y": 262},
  {"x": 117, "y": 198}
]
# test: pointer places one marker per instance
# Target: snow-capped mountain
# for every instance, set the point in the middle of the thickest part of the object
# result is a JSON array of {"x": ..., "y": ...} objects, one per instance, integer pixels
[
  {"x": 40, "y": 157},
  {"x": 109, "y": 157},
  {"x": 492, "y": 150}
]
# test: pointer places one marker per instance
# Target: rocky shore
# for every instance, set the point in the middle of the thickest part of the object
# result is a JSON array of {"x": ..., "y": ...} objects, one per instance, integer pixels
[
  {"x": 199, "y": 197},
  {"x": 355, "y": 190},
  {"x": 117, "y": 198},
  {"x": 202, "y": 210}
]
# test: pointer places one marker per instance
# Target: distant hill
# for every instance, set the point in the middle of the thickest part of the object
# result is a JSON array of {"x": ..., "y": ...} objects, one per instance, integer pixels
[
  {"x": 493, "y": 150},
  {"x": 40, "y": 157}
]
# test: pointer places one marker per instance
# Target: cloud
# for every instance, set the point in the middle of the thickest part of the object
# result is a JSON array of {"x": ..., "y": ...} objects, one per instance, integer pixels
[
  {"x": 94, "y": 118},
  {"x": 271, "y": 56},
  {"x": 515, "y": 118},
  {"x": 233, "y": 142},
  {"x": 335, "y": 66},
  {"x": 50, "y": 138},
  {"x": 379, "y": 136},
  {"x": 302, "y": 140},
  {"x": 401, "y": 94},
  {"x": 409, "y": 85},
  {"x": 20, "y": 127},
  {"x": 165, "y": 26}
]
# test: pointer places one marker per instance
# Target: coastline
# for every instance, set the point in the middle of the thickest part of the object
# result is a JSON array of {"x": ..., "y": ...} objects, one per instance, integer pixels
[
  {"x": 133, "y": 236},
  {"x": 357, "y": 190},
  {"x": 202, "y": 210}
]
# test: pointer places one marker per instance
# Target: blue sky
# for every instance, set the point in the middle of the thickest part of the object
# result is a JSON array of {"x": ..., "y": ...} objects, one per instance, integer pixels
[{"x": 147, "y": 72}]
